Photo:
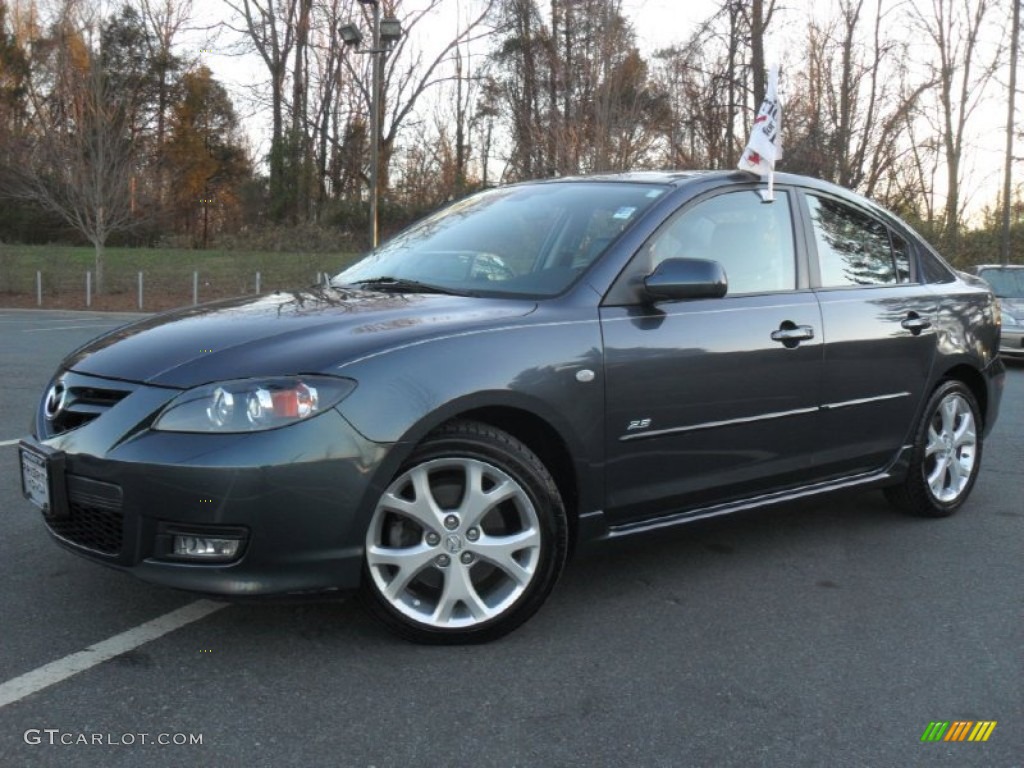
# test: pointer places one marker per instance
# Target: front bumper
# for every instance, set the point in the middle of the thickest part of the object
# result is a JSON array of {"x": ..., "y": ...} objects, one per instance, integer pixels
[
  {"x": 1011, "y": 342},
  {"x": 297, "y": 496}
]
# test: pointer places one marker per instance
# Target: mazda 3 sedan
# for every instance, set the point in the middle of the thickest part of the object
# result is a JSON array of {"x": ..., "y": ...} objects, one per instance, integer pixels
[{"x": 532, "y": 369}]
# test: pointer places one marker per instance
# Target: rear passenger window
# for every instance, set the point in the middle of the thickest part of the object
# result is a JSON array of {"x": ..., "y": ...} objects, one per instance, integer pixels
[
  {"x": 932, "y": 270},
  {"x": 901, "y": 252},
  {"x": 853, "y": 249}
]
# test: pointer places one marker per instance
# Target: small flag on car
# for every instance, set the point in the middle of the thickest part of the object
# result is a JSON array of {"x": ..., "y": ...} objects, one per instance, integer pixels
[{"x": 765, "y": 146}]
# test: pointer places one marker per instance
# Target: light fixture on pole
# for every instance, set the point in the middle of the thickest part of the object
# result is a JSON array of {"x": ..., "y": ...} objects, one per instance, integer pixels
[{"x": 385, "y": 32}]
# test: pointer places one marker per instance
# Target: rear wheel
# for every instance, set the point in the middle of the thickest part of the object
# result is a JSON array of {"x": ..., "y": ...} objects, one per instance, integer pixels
[
  {"x": 946, "y": 457},
  {"x": 467, "y": 541}
]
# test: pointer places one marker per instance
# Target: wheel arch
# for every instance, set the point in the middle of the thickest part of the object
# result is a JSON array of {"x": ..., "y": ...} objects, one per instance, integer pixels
[
  {"x": 541, "y": 437},
  {"x": 562, "y": 452},
  {"x": 974, "y": 381}
]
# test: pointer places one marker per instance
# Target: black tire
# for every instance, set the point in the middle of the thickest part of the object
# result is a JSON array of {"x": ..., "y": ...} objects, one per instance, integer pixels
[
  {"x": 931, "y": 489},
  {"x": 405, "y": 583}
]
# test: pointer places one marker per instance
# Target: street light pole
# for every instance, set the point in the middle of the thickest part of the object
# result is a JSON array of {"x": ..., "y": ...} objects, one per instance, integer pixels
[
  {"x": 375, "y": 97},
  {"x": 385, "y": 34}
]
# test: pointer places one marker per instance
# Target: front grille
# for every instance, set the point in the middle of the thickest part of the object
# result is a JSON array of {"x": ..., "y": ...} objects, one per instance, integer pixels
[
  {"x": 85, "y": 398},
  {"x": 95, "y": 520}
]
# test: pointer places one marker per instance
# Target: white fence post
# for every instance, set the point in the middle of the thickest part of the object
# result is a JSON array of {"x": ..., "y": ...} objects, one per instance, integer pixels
[
  {"x": 88, "y": 288},
  {"x": 39, "y": 288},
  {"x": 140, "y": 290},
  {"x": 257, "y": 282},
  {"x": 195, "y": 288}
]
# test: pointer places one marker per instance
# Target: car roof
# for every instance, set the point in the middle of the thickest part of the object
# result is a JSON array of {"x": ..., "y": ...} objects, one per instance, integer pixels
[
  {"x": 999, "y": 266},
  {"x": 681, "y": 178}
]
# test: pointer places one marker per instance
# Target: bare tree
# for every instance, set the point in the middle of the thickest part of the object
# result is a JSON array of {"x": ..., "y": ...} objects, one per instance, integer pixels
[
  {"x": 852, "y": 97},
  {"x": 164, "y": 20},
  {"x": 77, "y": 158},
  {"x": 271, "y": 26},
  {"x": 962, "y": 69}
]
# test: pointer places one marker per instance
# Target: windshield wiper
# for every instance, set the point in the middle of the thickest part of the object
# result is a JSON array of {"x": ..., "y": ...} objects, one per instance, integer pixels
[{"x": 404, "y": 285}]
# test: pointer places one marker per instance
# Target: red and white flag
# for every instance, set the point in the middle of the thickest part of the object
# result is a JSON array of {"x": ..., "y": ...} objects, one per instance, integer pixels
[{"x": 765, "y": 145}]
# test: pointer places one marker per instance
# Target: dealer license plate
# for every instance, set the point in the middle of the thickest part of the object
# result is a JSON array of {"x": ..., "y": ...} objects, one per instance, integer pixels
[{"x": 35, "y": 480}]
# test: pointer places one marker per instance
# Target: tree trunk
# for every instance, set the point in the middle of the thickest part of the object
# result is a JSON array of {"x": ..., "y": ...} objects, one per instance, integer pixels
[
  {"x": 757, "y": 50},
  {"x": 100, "y": 258},
  {"x": 1004, "y": 238}
]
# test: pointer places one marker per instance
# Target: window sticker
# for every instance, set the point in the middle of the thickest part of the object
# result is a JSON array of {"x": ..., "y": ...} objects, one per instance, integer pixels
[{"x": 624, "y": 212}]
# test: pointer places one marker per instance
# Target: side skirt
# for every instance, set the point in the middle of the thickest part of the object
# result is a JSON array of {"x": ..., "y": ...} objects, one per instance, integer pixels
[{"x": 593, "y": 527}]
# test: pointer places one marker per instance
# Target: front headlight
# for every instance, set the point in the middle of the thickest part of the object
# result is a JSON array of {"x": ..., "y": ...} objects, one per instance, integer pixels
[{"x": 252, "y": 405}]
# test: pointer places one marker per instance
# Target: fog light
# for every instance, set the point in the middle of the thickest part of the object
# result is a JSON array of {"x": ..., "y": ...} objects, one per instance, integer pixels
[{"x": 206, "y": 547}]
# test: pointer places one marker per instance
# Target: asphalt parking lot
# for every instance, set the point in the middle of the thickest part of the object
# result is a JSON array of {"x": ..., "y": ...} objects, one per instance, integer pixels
[{"x": 829, "y": 633}]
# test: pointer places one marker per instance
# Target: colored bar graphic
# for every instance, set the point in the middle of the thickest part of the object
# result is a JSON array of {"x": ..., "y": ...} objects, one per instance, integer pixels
[
  {"x": 982, "y": 730},
  {"x": 958, "y": 730}
]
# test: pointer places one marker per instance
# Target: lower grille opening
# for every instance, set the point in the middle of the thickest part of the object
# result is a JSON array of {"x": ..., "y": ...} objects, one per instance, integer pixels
[
  {"x": 100, "y": 530},
  {"x": 95, "y": 520}
]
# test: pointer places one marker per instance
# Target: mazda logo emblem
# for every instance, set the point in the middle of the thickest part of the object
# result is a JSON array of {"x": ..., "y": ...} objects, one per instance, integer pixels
[
  {"x": 56, "y": 399},
  {"x": 453, "y": 543}
]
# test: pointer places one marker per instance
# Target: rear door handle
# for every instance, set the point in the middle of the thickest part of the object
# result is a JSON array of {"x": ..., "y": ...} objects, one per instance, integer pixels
[
  {"x": 915, "y": 323},
  {"x": 791, "y": 334}
]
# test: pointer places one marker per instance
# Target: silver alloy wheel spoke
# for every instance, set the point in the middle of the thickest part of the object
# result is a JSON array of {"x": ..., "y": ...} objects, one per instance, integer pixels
[
  {"x": 410, "y": 562},
  {"x": 499, "y": 551},
  {"x": 459, "y": 589},
  {"x": 435, "y": 581},
  {"x": 964, "y": 435},
  {"x": 949, "y": 408},
  {"x": 477, "y": 502}
]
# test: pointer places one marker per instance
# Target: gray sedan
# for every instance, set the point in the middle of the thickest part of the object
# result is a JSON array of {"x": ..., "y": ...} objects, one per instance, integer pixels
[{"x": 528, "y": 371}]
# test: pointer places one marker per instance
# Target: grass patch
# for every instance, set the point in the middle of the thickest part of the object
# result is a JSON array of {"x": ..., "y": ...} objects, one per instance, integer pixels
[{"x": 167, "y": 273}]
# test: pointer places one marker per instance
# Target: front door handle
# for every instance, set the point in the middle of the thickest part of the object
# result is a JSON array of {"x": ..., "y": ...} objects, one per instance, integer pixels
[
  {"x": 791, "y": 334},
  {"x": 915, "y": 323}
]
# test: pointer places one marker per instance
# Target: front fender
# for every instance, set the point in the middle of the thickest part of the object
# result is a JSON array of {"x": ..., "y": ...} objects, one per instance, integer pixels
[{"x": 532, "y": 367}]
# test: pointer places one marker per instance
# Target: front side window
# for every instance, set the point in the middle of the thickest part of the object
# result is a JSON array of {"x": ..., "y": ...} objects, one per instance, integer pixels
[
  {"x": 531, "y": 240},
  {"x": 751, "y": 239},
  {"x": 853, "y": 248}
]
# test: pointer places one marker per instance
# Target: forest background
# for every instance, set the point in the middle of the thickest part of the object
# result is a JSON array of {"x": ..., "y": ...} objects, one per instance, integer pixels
[{"x": 175, "y": 131}]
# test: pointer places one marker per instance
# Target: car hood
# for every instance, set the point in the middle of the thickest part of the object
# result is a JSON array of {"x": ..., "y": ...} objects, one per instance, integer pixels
[{"x": 310, "y": 331}]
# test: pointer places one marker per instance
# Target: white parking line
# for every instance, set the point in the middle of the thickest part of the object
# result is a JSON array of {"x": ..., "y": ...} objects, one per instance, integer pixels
[
  {"x": 56, "y": 671},
  {"x": 22, "y": 320},
  {"x": 64, "y": 328},
  {"x": 7, "y": 442}
]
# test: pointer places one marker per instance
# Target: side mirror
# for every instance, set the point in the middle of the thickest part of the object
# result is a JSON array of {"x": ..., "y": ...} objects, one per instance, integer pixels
[{"x": 686, "y": 279}]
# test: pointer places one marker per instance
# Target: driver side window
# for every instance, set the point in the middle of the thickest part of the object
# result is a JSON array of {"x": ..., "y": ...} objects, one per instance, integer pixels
[{"x": 751, "y": 239}]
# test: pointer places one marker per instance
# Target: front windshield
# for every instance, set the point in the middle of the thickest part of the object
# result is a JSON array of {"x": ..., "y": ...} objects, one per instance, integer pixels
[
  {"x": 1005, "y": 283},
  {"x": 527, "y": 240}
]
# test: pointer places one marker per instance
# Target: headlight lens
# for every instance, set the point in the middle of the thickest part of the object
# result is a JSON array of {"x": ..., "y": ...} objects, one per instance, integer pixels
[{"x": 252, "y": 405}]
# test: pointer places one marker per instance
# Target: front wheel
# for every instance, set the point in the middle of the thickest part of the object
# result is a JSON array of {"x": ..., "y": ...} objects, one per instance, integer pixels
[
  {"x": 946, "y": 457},
  {"x": 468, "y": 539}
]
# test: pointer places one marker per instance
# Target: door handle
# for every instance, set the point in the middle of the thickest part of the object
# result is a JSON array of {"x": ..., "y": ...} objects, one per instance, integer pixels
[
  {"x": 915, "y": 323},
  {"x": 791, "y": 334}
]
